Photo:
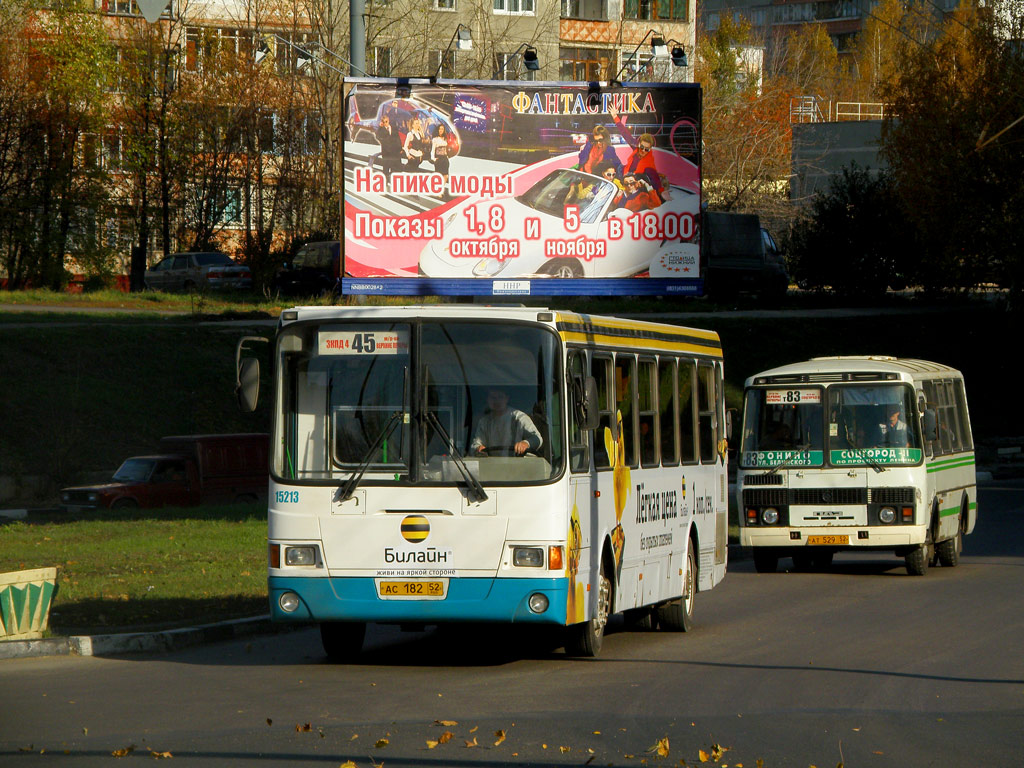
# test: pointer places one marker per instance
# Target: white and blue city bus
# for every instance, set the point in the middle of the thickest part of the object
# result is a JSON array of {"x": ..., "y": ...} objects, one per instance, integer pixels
[
  {"x": 854, "y": 454},
  {"x": 610, "y": 496}
]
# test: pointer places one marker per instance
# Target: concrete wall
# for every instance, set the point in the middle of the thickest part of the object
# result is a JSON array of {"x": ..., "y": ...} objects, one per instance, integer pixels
[{"x": 823, "y": 149}]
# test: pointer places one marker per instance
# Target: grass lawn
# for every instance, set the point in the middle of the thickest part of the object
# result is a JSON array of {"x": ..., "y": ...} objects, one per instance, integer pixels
[{"x": 145, "y": 568}]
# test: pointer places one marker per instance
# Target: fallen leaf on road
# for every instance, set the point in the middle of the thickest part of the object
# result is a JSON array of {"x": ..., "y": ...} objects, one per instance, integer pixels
[
  {"x": 661, "y": 747},
  {"x": 159, "y": 755},
  {"x": 704, "y": 757},
  {"x": 431, "y": 744},
  {"x": 500, "y": 736},
  {"x": 124, "y": 752},
  {"x": 348, "y": 764},
  {"x": 446, "y": 723},
  {"x": 472, "y": 743},
  {"x": 563, "y": 750},
  {"x": 381, "y": 743}
]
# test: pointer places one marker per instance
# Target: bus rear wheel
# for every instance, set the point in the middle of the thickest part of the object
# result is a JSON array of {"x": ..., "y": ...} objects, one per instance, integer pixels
[
  {"x": 677, "y": 615},
  {"x": 586, "y": 639},
  {"x": 342, "y": 639}
]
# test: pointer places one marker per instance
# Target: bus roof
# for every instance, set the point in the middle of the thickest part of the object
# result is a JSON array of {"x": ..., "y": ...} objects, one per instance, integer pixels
[
  {"x": 824, "y": 370},
  {"x": 573, "y": 327}
]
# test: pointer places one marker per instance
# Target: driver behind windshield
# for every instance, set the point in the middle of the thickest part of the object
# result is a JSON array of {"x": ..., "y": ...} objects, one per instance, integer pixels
[{"x": 504, "y": 430}]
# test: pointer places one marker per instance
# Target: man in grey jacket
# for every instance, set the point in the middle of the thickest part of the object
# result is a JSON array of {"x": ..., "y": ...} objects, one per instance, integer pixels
[{"x": 504, "y": 430}]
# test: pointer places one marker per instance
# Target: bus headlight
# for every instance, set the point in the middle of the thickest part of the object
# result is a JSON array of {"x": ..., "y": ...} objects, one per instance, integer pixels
[
  {"x": 289, "y": 602},
  {"x": 538, "y": 602},
  {"x": 887, "y": 515},
  {"x": 528, "y": 557},
  {"x": 300, "y": 556},
  {"x": 770, "y": 516}
]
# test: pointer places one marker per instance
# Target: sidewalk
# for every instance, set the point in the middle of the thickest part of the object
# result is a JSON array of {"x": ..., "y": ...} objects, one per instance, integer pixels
[{"x": 138, "y": 642}]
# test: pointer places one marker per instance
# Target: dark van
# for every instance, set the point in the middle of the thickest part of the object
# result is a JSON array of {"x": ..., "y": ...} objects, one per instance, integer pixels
[{"x": 315, "y": 271}]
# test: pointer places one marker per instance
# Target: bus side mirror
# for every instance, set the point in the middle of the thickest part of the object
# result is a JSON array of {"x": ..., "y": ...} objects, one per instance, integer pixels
[
  {"x": 247, "y": 388},
  {"x": 247, "y": 376},
  {"x": 585, "y": 401},
  {"x": 931, "y": 427},
  {"x": 729, "y": 417}
]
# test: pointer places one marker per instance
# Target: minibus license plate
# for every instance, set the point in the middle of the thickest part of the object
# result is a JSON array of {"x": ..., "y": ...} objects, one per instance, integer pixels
[
  {"x": 828, "y": 541},
  {"x": 411, "y": 589}
]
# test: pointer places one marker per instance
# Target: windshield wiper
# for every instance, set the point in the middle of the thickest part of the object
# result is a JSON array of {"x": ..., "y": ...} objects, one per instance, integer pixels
[
  {"x": 790, "y": 462},
  {"x": 867, "y": 459},
  {"x": 476, "y": 490},
  {"x": 345, "y": 492}
]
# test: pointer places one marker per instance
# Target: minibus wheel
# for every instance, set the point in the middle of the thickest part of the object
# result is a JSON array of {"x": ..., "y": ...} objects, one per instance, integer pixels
[
  {"x": 949, "y": 550},
  {"x": 918, "y": 559},
  {"x": 765, "y": 560},
  {"x": 342, "y": 639}
]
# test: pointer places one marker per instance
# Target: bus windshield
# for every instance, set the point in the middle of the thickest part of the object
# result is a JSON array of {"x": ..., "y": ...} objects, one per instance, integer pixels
[
  {"x": 782, "y": 426},
  {"x": 872, "y": 424},
  {"x": 422, "y": 402}
]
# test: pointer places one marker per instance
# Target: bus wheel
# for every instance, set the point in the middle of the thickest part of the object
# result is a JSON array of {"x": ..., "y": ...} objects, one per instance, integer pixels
[
  {"x": 765, "y": 560},
  {"x": 342, "y": 639},
  {"x": 585, "y": 639},
  {"x": 677, "y": 615}
]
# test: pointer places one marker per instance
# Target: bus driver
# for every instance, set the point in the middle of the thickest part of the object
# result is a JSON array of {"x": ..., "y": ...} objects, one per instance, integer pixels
[{"x": 503, "y": 429}]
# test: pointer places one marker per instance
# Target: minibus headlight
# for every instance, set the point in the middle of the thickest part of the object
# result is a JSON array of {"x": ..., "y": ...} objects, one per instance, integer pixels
[
  {"x": 528, "y": 557},
  {"x": 770, "y": 516},
  {"x": 887, "y": 515},
  {"x": 300, "y": 555}
]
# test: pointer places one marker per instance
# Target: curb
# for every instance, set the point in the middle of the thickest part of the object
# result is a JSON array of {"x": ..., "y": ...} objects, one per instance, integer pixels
[{"x": 137, "y": 642}]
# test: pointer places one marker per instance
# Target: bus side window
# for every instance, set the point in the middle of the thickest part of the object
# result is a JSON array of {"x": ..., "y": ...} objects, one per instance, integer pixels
[
  {"x": 706, "y": 412},
  {"x": 599, "y": 368},
  {"x": 579, "y": 440},
  {"x": 668, "y": 411},
  {"x": 952, "y": 418},
  {"x": 965, "y": 422},
  {"x": 687, "y": 412},
  {"x": 625, "y": 397},
  {"x": 648, "y": 408}
]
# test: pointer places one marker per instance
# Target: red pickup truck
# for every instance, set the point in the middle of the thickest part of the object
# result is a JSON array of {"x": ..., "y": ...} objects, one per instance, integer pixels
[{"x": 189, "y": 470}]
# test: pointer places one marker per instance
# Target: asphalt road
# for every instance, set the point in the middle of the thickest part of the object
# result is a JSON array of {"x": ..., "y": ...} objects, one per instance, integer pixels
[{"x": 863, "y": 665}]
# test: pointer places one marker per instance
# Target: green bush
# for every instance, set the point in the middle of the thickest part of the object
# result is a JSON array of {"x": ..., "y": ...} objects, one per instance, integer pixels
[{"x": 855, "y": 239}]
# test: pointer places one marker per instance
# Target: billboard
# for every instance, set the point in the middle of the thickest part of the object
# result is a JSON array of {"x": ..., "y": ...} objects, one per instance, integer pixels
[{"x": 506, "y": 187}]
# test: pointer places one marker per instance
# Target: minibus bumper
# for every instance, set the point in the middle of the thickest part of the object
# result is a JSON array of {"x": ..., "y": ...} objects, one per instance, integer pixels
[{"x": 872, "y": 537}]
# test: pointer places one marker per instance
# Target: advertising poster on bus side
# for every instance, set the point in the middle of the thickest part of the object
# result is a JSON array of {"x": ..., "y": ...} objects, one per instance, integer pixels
[{"x": 493, "y": 188}]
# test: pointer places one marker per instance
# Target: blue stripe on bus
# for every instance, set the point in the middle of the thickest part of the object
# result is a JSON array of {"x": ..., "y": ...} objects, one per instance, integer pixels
[{"x": 355, "y": 599}]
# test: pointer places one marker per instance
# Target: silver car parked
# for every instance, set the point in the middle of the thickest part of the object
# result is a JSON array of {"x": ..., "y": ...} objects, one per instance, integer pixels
[{"x": 197, "y": 271}]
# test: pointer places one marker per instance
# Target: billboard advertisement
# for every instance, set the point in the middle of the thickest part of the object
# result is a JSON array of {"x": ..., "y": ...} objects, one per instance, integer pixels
[{"x": 506, "y": 187}]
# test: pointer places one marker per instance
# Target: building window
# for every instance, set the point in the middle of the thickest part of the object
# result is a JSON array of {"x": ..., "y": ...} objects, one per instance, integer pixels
[
  {"x": 444, "y": 5},
  {"x": 509, "y": 66},
  {"x": 712, "y": 22},
  {"x": 587, "y": 64},
  {"x": 638, "y": 9},
  {"x": 381, "y": 62},
  {"x": 111, "y": 151},
  {"x": 523, "y": 7},
  {"x": 443, "y": 62},
  {"x": 592, "y": 10},
  {"x": 673, "y": 10}
]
